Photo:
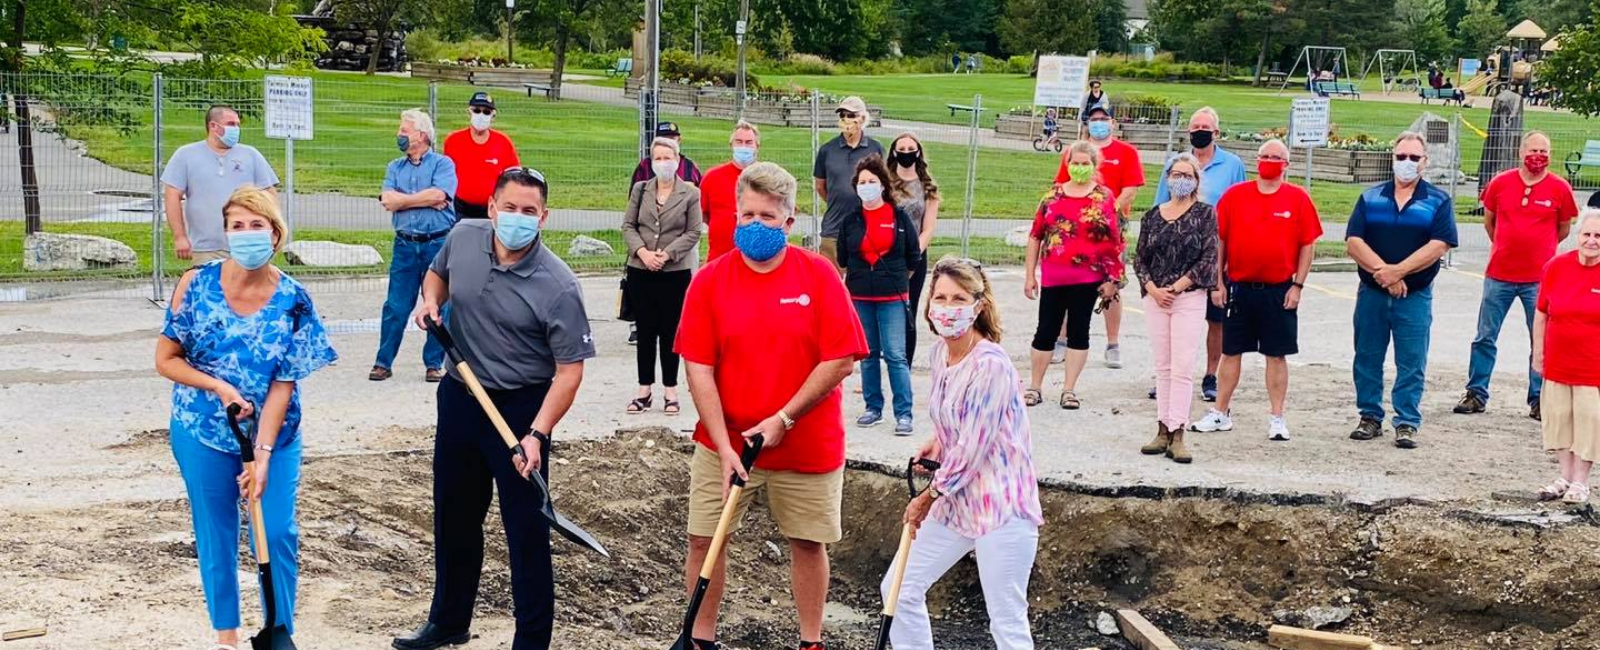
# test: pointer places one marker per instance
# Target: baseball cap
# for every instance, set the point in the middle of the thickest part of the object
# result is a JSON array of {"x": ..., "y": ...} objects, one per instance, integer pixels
[
  {"x": 481, "y": 98},
  {"x": 1101, "y": 109},
  {"x": 852, "y": 104},
  {"x": 667, "y": 128}
]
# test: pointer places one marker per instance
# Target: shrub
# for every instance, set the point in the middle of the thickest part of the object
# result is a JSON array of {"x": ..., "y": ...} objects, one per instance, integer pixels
[
  {"x": 681, "y": 67},
  {"x": 806, "y": 64},
  {"x": 1119, "y": 66}
]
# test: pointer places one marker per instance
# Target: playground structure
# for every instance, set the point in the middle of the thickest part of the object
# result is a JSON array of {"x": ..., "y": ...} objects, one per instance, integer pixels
[
  {"x": 1324, "y": 65},
  {"x": 1392, "y": 66}
]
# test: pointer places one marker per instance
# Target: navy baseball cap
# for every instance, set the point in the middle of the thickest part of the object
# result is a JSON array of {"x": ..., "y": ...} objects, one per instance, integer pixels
[
  {"x": 481, "y": 98},
  {"x": 667, "y": 128}
]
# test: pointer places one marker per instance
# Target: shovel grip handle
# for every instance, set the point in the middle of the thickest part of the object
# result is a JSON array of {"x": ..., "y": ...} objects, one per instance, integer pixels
[
  {"x": 752, "y": 448},
  {"x": 247, "y": 451},
  {"x": 445, "y": 340}
]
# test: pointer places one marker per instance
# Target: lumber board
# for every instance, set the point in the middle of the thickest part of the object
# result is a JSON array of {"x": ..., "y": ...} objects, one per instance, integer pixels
[
  {"x": 1143, "y": 633},
  {"x": 1294, "y": 638},
  {"x": 18, "y": 635}
]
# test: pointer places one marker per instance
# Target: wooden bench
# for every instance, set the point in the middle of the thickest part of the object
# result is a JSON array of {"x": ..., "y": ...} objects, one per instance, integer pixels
[
  {"x": 1445, "y": 95},
  {"x": 959, "y": 107},
  {"x": 548, "y": 90},
  {"x": 1589, "y": 157},
  {"x": 623, "y": 68},
  {"x": 1335, "y": 88}
]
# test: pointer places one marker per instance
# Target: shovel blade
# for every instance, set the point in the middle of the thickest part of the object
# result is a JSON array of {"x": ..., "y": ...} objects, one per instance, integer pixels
[
  {"x": 276, "y": 638},
  {"x": 683, "y": 643},
  {"x": 575, "y": 533}
]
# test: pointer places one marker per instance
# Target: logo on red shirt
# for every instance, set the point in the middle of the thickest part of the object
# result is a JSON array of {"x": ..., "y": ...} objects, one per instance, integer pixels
[
  {"x": 1546, "y": 202},
  {"x": 1283, "y": 215},
  {"x": 492, "y": 161},
  {"x": 804, "y": 300}
]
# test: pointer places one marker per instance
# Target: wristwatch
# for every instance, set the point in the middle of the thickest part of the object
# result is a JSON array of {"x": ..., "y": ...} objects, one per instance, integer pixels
[
  {"x": 543, "y": 439},
  {"x": 788, "y": 422},
  {"x": 1298, "y": 285},
  {"x": 265, "y": 448}
]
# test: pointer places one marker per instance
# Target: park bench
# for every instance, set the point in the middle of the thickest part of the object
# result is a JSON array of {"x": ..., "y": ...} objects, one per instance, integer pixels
[
  {"x": 548, "y": 90},
  {"x": 623, "y": 68},
  {"x": 1576, "y": 161},
  {"x": 1445, "y": 95},
  {"x": 1336, "y": 88},
  {"x": 960, "y": 107}
]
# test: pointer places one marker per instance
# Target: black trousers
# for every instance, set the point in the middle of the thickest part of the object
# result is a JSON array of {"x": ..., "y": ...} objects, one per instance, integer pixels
[
  {"x": 466, "y": 210},
  {"x": 915, "y": 322},
  {"x": 1073, "y": 303},
  {"x": 469, "y": 462},
  {"x": 656, "y": 298}
]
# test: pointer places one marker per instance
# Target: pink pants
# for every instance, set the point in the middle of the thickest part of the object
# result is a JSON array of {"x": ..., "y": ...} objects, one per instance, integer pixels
[{"x": 1176, "y": 334}]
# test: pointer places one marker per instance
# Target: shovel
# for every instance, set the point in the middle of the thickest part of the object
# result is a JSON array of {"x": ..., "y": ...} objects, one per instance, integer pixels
[
  {"x": 561, "y": 524},
  {"x": 915, "y": 486},
  {"x": 730, "y": 506},
  {"x": 272, "y": 636}
]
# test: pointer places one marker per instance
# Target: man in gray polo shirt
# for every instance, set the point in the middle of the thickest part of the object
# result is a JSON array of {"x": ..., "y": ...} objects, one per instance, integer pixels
[
  {"x": 834, "y": 172},
  {"x": 206, "y": 173},
  {"x": 517, "y": 313}
]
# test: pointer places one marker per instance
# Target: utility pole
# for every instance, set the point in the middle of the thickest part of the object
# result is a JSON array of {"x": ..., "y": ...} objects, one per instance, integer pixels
[
  {"x": 511, "y": 28},
  {"x": 739, "y": 33},
  {"x": 697, "y": 31},
  {"x": 651, "y": 88}
]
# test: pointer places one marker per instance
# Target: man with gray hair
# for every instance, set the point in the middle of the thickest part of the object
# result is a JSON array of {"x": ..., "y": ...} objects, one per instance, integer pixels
[
  {"x": 1398, "y": 232},
  {"x": 772, "y": 368},
  {"x": 419, "y": 190}
]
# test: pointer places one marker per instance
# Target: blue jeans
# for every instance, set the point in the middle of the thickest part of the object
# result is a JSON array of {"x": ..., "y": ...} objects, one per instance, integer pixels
[
  {"x": 1379, "y": 318},
  {"x": 209, "y": 477},
  {"x": 885, "y": 323},
  {"x": 407, "y": 267},
  {"x": 1497, "y": 299}
]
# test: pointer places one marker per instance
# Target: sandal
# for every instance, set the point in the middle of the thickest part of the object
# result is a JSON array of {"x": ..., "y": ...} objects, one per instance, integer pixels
[
  {"x": 670, "y": 406},
  {"x": 1577, "y": 493},
  {"x": 1032, "y": 397},
  {"x": 1555, "y": 490},
  {"x": 640, "y": 405},
  {"x": 1069, "y": 400}
]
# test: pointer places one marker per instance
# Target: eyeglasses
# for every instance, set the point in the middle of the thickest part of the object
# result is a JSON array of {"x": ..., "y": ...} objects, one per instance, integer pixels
[
  {"x": 1180, "y": 176},
  {"x": 482, "y": 110},
  {"x": 848, "y": 115},
  {"x": 1409, "y": 156}
]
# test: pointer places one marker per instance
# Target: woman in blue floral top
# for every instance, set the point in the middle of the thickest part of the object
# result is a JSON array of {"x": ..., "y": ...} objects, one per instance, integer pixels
[{"x": 240, "y": 331}]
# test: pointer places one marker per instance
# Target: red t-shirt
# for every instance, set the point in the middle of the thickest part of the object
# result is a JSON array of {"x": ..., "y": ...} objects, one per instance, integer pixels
[
  {"x": 478, "y": 166},
  {"x": 718, "y": 202},
  {"x": 1525, "y": 235},
  {"x": 880, "y": 233},
  {"x": 1263, "y": 233},
  {"x": 1570, "y": 298},
  {"x": 763, "y": 334},
  {"x": 1119, "y": 168}
]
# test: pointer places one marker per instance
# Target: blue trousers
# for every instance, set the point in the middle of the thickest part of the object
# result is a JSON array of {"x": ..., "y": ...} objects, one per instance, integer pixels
[
  {"x": 885, "y": 324},
  {"x": 408, "y": 265},
  {"x": 1497, "y": 299},
  {"x": 1408, "y": 322},
  {"x": 210, "y": 478}
]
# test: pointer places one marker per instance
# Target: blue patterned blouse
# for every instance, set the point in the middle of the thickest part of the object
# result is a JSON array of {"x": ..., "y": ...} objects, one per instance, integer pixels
[{"x": 284, "y": 341}]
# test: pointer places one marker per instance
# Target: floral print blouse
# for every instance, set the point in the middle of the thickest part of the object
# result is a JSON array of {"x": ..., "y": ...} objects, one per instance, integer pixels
[
  {"x": 1080, "y": 238},
  {"x": 1183, "y": 247},
  {"x": 284, "y": 341},
  {"x": 986, "y": 467}
]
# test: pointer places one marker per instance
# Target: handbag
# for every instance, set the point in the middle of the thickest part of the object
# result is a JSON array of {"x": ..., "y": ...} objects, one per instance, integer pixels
[{"x": 624, "y": 308}]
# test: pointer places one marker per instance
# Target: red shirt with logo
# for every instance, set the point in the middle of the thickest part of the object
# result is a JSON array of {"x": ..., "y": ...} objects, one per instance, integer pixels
[
  {"x": 1525, "y": 235},
  {"x": 1119, "y": 168},
  {"x": 1569, "y": 296},
  {"x": 763, "y": 334},
  {"x": 478, "y": 166},
  {"x": 718, "y": 191},
  {"x": 1262, "y": 234}
]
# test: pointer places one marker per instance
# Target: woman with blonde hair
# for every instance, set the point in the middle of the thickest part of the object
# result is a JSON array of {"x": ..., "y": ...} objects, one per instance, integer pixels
[
  {"x": 919, "y": 199},
  {"x": 241, "y": 332},
  {"x": 1565, "y": 328},
  {"x": 984, "y": 497}
]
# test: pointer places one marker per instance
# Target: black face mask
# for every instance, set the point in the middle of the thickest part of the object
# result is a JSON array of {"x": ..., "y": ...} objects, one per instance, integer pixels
[
  {"x": 1200, "y": 139},
  {"x": 906, "y": 158}
]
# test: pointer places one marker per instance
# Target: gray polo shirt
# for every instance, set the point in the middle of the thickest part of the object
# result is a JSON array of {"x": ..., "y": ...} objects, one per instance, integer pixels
[
  {"x": 836, "y": 164},
  {"x": 207, "y": 179},
  {"x": 513, "y": 323}
]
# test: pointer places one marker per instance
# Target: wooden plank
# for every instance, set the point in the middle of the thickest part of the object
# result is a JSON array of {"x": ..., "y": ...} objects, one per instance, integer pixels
[
  {"x": 18, "y": 635},
  {"x": 1294, "y": 638},
  {"x": 1142, "y": 633}
]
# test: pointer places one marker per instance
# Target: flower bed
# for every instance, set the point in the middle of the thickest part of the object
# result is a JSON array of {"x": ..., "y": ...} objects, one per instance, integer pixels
[{"x": 718, "y": 102}]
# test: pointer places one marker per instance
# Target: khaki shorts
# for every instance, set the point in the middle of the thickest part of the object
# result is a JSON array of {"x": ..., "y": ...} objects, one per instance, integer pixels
[
  {"x": 1571, "y": 416},
  {"x": 198, "y": 258},
  {"x": 806, "y": 506},
  {"x": 829, "y": 247}
]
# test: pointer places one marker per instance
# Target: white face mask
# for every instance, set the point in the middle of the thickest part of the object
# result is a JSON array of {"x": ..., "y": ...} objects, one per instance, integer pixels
[
  {"x": 1407, "y": 171},
  {"x": 664, "y": 168},
  {"x": 952, "y": 321},
  {"x": 869, "y": 192},
  {"x": 481, "y": 122}
]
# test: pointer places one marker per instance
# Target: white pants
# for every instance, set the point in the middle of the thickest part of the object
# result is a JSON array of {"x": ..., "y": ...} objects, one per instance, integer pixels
[{"x": 1005, "y": 560}]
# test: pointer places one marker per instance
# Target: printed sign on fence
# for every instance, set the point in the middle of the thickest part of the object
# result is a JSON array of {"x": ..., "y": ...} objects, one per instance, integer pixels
[
  {"x": 288, "y": 107},
  {"x": 1308, "y": 122},
  {"x": 1063, "y": 81}
]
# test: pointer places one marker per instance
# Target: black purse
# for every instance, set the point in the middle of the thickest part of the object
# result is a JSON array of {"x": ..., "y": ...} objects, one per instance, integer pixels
[{"x": 624, "y": 308}]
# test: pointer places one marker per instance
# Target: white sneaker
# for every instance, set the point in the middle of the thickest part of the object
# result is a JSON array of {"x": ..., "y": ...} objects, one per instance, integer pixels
[
  {"x": 1113, "y": 358},
  {"x": 1213, "y": 421},
  {"x": 1278, "y": 429},
  {"x": 1059, "y": 354}
]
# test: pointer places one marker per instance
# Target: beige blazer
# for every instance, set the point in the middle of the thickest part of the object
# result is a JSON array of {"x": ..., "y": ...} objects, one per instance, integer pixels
[{"x": 673, "y": 227}]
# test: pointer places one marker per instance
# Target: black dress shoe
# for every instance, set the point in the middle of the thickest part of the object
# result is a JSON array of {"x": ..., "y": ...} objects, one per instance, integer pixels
[{"x": 431, "y": 636}]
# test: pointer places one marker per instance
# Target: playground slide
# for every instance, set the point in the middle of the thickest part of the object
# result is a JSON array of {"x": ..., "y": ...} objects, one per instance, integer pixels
[{"x": 1476, "y": 83}]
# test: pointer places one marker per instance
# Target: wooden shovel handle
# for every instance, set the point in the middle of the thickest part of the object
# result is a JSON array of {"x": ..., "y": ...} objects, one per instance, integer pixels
[
  {"x": 258, "y": 528},
  {"x": 901, "y": 558}
]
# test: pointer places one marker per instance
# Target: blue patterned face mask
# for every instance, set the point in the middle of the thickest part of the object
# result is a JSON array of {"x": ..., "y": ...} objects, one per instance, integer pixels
[
  {"x": 252, "y": 249},
  {"x": 516, "y": 230},
  {"x": 759, "y": 242}
]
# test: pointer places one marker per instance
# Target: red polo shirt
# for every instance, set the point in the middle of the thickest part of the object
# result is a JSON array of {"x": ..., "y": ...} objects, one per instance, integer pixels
[
  {"x": 1263, "y": 233},
  {"x": 1569, "y": 296},
  {"x": 1525, "y": 235},
  {"x": 478, "y": 166},
  {"x": 718, "y": 191}
]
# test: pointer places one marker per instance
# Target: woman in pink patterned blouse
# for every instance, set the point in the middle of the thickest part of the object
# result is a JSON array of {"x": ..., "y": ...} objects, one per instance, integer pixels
[
  {"x": 985, "y": 497},
  {"x": 1076, "y": 247}
]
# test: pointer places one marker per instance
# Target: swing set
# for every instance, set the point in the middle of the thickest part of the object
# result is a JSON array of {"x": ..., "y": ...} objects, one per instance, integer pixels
[
  {"x": 1392, "y": 66},
  {"x": 1325, "y": 66}
]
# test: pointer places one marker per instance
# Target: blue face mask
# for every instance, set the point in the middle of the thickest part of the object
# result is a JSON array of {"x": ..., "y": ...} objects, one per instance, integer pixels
[
  {"x": 252, "y": 249},
  {"x": 759, "y": 242},
  {"x": 516, "y": 230},
  {"x": 403, "y": 142},
  {"x": 230, "y": 136},
  {"x": 1099, "y": 130},
  {"x": 744, "y": 155}
]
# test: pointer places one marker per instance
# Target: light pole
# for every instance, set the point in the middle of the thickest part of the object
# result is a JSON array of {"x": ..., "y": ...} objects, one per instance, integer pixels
[
  {"x": 511, "y": 28},
  {"x": 739, "y": 30}
]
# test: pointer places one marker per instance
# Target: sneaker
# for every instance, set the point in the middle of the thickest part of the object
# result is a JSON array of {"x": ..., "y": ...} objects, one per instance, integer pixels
[
  {"x": 1213, "y": 421},
  {"x": 1533, "y": 412},
  {"x": 1208, "y": 388},
  {"x": 1152, "y": 392},
  {"x": 1113, "y": 357},
  {"x": 1405, "y": 436},
  {"x": 633, "y": 335},
  {"x": 869, "y": 419},
  {"x": 1470, "y": 403},
  {"x": 1367, "y": 430},
  {"x": 1060, "y": 353},
  {"x": 902, "y": 427},
  {"x": 1278, "y": 429}
]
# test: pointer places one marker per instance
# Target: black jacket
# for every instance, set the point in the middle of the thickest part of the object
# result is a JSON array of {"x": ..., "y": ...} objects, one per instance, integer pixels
[{"x": 892, "y": 274}]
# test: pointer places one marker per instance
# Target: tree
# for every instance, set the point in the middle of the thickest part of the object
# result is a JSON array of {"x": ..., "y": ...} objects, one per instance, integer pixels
[
  {"x": 1111, "y": 26},
  {"x": 938, "y": 26},
  {"x": 1480, "y": 29},
  {"x": 561, "y": 20},
  {"x": 1046, "y": 26},
  {"x": 1553, "y": 15},
  {"x": 1572, "y": 68},
  {"x": 1420, "y": 24}
]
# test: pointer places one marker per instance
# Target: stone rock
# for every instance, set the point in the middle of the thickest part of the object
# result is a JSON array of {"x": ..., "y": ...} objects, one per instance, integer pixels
[
  {"x": 327, "y": 253},
  {"x": 1106, "y": 625},
  {"x": 1313, "y": 618},
  {"x": 1018, "y": 237},
  {"x": 44, "y": 251},
  {"x": 586, "y": 246}
]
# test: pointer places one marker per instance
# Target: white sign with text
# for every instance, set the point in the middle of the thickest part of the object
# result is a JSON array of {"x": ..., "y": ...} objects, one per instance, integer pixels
[
  {"x": 288, "y": 108},
  {"x": 1063, "y": 81}
]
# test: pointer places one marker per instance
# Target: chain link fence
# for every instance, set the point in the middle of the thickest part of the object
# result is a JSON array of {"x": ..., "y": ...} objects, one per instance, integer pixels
[{"x": 82, "y": 209}]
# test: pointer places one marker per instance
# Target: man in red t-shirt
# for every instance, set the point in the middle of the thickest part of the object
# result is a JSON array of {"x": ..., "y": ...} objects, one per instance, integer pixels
[
  {"x": 480, "y": 154},
  {"x": 717, "y": 188},
  {"x": 1269, "y": 232},
  {"x": 1120, "y": 170},
  {"x": 771, "y": 366},
  {"x": 1527, "y": 211}
]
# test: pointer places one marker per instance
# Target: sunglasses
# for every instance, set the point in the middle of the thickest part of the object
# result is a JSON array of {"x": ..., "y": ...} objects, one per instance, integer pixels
[
  {"x": 1409, "y": 156},
  {"x": 482, "y": 110},
  {"x": 528, "y": 172},
  {"x": 848, "y": 115},
  {"x": 950, "y": 263}
]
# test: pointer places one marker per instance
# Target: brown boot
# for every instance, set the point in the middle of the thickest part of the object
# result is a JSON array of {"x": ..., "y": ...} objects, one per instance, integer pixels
[
  {"x": 1176, "y": 451},
  {"x": 1160, "y": 444}
]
